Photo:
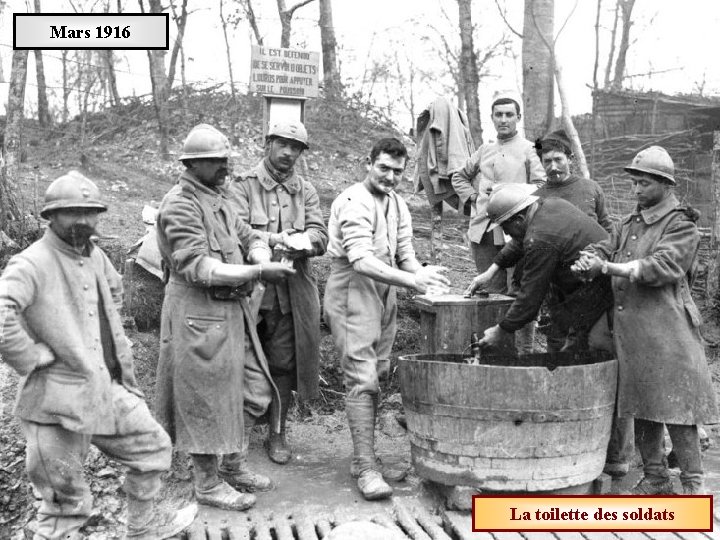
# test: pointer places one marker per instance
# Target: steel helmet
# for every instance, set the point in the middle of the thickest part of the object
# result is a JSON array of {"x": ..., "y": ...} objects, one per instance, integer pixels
[
  {"x": 656, "y": 161},
  {"x": 204, "y": 142},
  {"x": 290, "y": 130},
  {"x": 509, "y": 199},
  {"x": 72, "y": 190}
]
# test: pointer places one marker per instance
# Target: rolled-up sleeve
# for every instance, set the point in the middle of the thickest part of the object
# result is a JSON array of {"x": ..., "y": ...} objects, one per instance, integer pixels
[
  {"x": 355, "y": 221},
  {"x": 18, "y": 288}
]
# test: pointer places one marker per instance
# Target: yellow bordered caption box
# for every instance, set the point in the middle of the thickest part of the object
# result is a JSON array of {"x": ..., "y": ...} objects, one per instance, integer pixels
[
  {"x": 607, "y": 513},
  {"x": 91, "y": 31}
]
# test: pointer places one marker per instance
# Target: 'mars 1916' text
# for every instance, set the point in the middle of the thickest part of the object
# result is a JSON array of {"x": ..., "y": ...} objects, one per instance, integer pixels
[{"x": 101, "y": 32}]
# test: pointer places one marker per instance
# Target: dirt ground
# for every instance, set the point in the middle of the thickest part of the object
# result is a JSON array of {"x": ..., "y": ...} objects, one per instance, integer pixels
[{"x": 130, "y": 176}]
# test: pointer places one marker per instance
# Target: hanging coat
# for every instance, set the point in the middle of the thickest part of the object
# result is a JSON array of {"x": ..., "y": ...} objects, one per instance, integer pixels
[
  {"x": 203, "y": 340},
  {"x": 445, "y": 143},
  {"x": 259, "y": 199},
  {"x": 664, "y": 375}
]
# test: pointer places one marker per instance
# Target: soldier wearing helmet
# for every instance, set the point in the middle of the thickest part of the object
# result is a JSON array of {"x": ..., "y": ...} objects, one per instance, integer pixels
[
  {"x": 284, "y": 210},
  {"x": 61, "y": 330},
  {"x": 511, "y": 159},
  {"x": 213, "y": 380},
  {"x": 551, "y": 233},
  {"x": 664, "y": 377}
]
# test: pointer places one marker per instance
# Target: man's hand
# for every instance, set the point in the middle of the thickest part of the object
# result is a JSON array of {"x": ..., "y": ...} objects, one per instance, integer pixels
[
  {"x": 295, "y": 245},
  {"x": 492, "y": 336},
  {"x": 431, "y": 277},
  {"x": 587, "y": 266},
  {"x": 480, "y": 282},
  {"x": 45, "y": 356},
  {"x": 275, "y": 272}
]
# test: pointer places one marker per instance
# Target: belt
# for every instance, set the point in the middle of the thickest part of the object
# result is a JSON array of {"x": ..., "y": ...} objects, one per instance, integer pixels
[{"x": 218, "y": 292}]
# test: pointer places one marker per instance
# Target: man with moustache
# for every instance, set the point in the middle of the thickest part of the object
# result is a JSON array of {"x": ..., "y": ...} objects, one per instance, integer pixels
[
  {"x": 212, "y": 376},
  {"x": 284, "y": 210},
  {"x": 371, "y": 248},
  {"x": 60, "y": 329},
  {"x": 555, "y": 151}
]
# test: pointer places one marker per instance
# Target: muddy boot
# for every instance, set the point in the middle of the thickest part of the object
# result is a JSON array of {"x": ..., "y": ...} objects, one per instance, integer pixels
[
  {"x": 361, "y": 419},
  {"x": 146, "y": 522},
  {"x": 234, "y": 468},
  {"x": 686, "y": 445},
  {"x": 276, "y": 443},
  {"x": 211, "y": 490}
]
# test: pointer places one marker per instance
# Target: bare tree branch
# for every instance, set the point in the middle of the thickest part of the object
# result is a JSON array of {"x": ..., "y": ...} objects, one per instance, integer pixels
[
  {"x": 597, "y": 44},
  {"x": 507, "y": 23},
  {"x": 297, "y": 6},
  {"x": 564, "y": 24}
]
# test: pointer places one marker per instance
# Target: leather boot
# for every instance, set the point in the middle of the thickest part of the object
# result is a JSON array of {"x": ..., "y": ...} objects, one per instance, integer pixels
[
  {"x": 276, "y": 443},
  {"x": 234, "y": 468},
  {"x": 686, "y": 445},
  {"x": 361, "y": 419},
  {"x": 146, "y": 522},
  {"x": 211, "y": 490}
]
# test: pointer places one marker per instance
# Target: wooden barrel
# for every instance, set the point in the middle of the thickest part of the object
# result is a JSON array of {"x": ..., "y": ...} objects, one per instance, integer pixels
[{"x": 532, "y": 423}]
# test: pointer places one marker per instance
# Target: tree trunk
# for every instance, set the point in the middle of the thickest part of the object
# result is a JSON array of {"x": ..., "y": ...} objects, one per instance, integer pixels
[
  {"x": 181, "y": 21},
  {"x": 43, "y": 110},
  {"x": 227, "y": 50},
  {"x": 537, "y": 67},
  {"x": 595, "y": 88},
  {"x": 469, "y": 70},
  {"x": 611, "y": 54},
  {"x": 331, "y": 71},
  {"x": 12, "y": 143},
  {"x": 161, "y": 94},
  {"x": 286, "y": 16},
  {"x": 65, "y": 85},
  {"x": 712, "y": 278},
  {"x": 250, "y": 13},
  {"x": 2, "y": 10},
  {"x": 568, "y": 124},
  {"x": 109, "y": 58},
  {"x": 160, "y": 86},
  {"x": 626, "y": 7}
]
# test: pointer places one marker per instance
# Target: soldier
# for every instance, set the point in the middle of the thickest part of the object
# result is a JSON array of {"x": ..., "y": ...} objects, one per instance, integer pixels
[
  {"x": 61, "y": 330},
  {"x": 509, "y": 160},
  {"x": 284, "y": 209},
  {"x": 551, "y": 233},
  {"x": 664, "y": 377},
  {"x": 212, "y": 376},
  {"x": 371, "y": 246}
]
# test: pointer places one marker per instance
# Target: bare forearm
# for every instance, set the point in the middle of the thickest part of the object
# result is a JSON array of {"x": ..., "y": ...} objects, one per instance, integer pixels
[{"x": 374, "y": 268}]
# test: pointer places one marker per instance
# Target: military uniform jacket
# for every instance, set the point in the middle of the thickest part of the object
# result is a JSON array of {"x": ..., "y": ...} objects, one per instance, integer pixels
[
  {"x": 268, "y": 207},
  {"x": 555, "y": 234},
  {"x": 49, "y": 294},
  {"x": 664, "y": 375},
  {"x": 200, "y": 374}
]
